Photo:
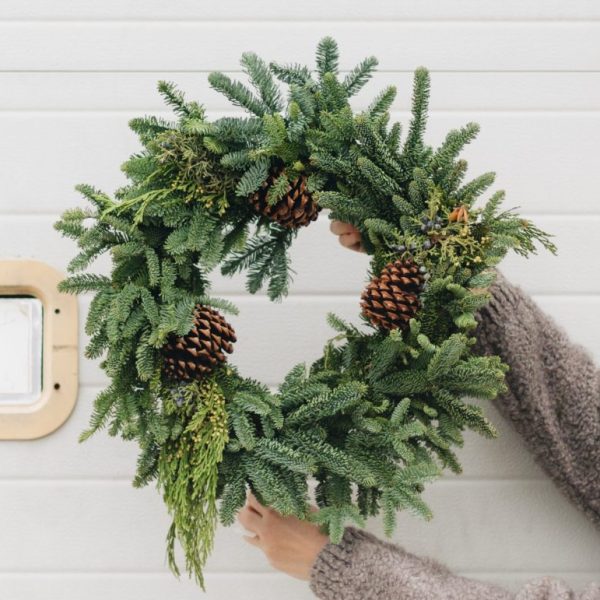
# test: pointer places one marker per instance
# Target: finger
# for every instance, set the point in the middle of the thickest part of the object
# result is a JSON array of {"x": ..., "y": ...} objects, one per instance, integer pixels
[
  {"x": 249, "y": 519},
  {"x": 350, "y": 240},
  {"x": 340, "y": 228},
  {"x": 253, "y": 540},
  {"x": 254, "y": 504}
]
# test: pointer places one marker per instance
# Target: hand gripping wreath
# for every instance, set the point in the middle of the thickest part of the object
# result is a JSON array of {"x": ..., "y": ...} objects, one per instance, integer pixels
[{"x": 378, "y": 414}]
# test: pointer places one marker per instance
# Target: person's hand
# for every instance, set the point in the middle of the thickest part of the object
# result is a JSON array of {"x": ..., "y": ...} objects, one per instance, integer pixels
[
  {"x": 290, "y": 545},
  {"x": 349, "y": 236}
]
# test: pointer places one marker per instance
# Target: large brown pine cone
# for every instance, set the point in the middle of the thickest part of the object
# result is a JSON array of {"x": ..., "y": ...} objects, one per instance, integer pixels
[
  {"x": 392, "y": 299},
  {"x": 296, "y": 208},
  {"x": 197, "y": 353}
]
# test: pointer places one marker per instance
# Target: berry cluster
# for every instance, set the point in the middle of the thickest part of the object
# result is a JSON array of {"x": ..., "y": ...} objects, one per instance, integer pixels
[{"x": 427, "y": 225}]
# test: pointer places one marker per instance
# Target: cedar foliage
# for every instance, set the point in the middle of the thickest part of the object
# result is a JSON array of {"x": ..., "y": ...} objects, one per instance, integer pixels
[{"x": 378, "y": 415}]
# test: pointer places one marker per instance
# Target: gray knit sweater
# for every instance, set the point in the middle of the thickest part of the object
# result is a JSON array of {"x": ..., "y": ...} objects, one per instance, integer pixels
[{"x": 554, "y": 403}]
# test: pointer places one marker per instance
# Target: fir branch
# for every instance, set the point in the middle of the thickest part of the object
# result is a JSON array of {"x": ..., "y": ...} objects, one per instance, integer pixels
[
  {"x": 174, "y": 98},
  {"x": 414, "y": 141},
  {"x": 238, "y": 94},
  {"x": 253, "y": 178},
  {"x": 86, "y": 282},
  {"x": 360, "y": 75},
  {"x": 103, "y": 406},
  {"x": 382, "y": 102},
  {"x": 472, "y": 190},
  {"x": 292, "y": 74},
  {"x": 262, "y": 80},
  {"x": 327, "y": 57}
]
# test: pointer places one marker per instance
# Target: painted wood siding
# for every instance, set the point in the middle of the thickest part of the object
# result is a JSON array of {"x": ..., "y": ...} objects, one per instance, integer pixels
[{"x": 73, "y": 73}]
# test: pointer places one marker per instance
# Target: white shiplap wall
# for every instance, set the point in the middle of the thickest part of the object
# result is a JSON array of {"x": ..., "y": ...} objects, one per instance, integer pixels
[{"x": 73, "y": 73}]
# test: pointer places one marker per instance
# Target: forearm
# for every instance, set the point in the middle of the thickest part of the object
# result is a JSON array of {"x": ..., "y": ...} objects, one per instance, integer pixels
[
  {"x": 362, "y": 567},
  {"x": 553, "y": 399}
]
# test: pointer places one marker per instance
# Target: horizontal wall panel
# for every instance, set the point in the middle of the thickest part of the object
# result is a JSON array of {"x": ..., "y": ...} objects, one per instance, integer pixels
[
  {"x": 263, "y": 334},
  {"x": 125, "y": 528},
  {"x": 340, "y": 10},
  {"x": 71, "y": 148},
  {"x": 151, "y": 586},
  {"x": 250, "y": 586},
  {"x": 519, "y": 517},
  {"x": 264, "y": 330},
  {"x": 399, "y": 45},
  {"x": 219, "y": 586},
  {"x": 345, "y": 271},
  {"x": 574, "y": 314},
  {"x": 60, "y": 456},
  {"x": 450, "y": 91}
]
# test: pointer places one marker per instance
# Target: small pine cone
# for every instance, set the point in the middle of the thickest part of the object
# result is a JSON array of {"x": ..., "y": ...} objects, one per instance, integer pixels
[
  {"x": 295, "y": 209},
  {"x": 197, "y": 353},
  {"x": 392, "y": 299}
]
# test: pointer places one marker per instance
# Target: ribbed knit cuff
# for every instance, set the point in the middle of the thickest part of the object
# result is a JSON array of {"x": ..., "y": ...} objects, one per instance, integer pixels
[{"x": 334, "y": 564}]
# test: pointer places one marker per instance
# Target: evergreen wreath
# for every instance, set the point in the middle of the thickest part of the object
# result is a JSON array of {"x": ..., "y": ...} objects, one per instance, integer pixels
[{"x": 378, "y": 415}]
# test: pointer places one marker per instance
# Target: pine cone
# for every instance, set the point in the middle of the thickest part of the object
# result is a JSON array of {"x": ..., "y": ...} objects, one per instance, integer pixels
[
  {"x": 196, "y": 354},
  {"x": 295, "y": 209},
  {"x": 392, "y": 299}
]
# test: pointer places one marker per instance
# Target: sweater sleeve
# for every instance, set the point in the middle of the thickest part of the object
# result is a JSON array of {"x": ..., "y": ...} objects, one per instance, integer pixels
[
  {"x": 361, "y": 567},
  {"x": 553, "y": 397}
]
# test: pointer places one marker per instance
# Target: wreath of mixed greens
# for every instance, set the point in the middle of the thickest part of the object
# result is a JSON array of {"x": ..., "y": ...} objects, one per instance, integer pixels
[{"x": 378, "y": 415}]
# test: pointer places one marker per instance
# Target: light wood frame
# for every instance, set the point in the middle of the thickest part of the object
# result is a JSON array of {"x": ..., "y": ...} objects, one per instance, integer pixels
[{"x": 60, "y": 351}]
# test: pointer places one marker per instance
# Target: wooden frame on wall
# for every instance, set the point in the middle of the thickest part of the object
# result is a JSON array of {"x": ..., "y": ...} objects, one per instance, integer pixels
[{"x": 60, "y": 349}]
